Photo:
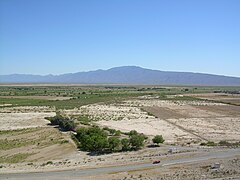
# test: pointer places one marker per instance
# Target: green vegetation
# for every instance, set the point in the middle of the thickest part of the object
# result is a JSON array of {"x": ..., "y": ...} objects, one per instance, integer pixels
[
  {"x": 209, "y": 143},
  {"x": 136, "y": 141},
  {"x": 84, "y": 119},
  {"x": 125, "y": 144},
  {"x": 83, "y": 95},
  {"x": 95, "y": 139},
  {"x": 221, "y": 143},
  {"x": 30, "y": 137},
  {"x": 20, "y": 157},
  {"x": 112, "y": 132},
  {"x": 158, "y": 139},
  {"x": 92, "y": 139},
  {"x": 47, "y": 163},
  {"x": 229, "y": 144},
  {"x": 114, "y": 144},
  {"x": 64, "y": 123},
  {"x": 6, "y": 144},
  {"x": 18, "y": 131}
]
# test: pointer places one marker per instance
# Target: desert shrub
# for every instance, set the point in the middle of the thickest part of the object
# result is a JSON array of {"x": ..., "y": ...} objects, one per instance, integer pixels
[
  {"x": 117, "y": 133},
  {"x": 84, "y": 119},
  {"x": 112, "y": 131},
  {"x": 224, "y": 143},
  {"x": 211, "y": 143},
  {"x": 158, "y": 139},
  {"x": 114, "y": 144},
  {"x": 125, "y": 144},
  {"x": 136, "y": 141},
  {"x": 64, "y": 123},
  {"x": 133, "y": 132}
]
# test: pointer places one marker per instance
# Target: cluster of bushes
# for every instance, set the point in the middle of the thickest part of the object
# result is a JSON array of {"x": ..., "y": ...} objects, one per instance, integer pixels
[
  {"x": 221, "y": 143},
  {"x": 64, "y": 123},
  {"x": 95, "y": 139},
  {"x": 112, "y": 132},
  {"x": 106, "y": 140},
  {"x": 84, "y": 119}
]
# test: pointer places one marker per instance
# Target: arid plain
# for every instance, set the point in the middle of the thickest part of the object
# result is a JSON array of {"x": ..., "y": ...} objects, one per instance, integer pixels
[{"x": 192, "y": 120}]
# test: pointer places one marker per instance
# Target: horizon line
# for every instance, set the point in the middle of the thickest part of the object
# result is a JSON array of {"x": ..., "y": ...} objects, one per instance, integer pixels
[{"x": 135, "y": 66}]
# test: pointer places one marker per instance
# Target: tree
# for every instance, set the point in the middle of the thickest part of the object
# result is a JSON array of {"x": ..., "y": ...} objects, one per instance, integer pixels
[
  {"x": 158, "y": 139},
  {"x": 67, "y": 125},
  {"x": 92, "y": 139},
  {"x": 112, "y": 131},
  {"x": 98, "y": 143},
  {"x": 64, "y": 123},
  {"x": 125, "y": 144},
  {"x": 136, "y": 141},
  {"x": 133, "y": 132},
  {"x": 81, "y": 134},
  {"x": 117, "y": 133},
  {"x": 114, "y": 144}
]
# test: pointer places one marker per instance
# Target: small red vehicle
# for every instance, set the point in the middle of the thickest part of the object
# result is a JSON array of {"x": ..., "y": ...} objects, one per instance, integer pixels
[{"x": 156, "y": 162}]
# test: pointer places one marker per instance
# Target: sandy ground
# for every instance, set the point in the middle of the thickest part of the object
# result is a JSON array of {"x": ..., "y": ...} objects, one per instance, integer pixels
[
  {"x": 178, "y": 121},
  {"x": 83, "y": 160},
  {"x": 4, "y": 105},
  {"x": 10, "y": 121},
  {"x": 212, "y": 129},
  {"x": 169, "y": 103},
  {"x": 152, "y": 127},
  {"x": 230, "y": 169},
  {"x": 112, "y": 112},
  {"x": 38, "y": 144}
]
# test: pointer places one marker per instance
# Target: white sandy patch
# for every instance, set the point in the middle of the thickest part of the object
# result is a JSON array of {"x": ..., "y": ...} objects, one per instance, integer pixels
[
  {"x": 109, "y": 112},
  {"x": 3, "y": 105},
  {"x": 214, "y": 129},
  {"x": 169, "y": 103},
  {"x": 150, "y": 127},
  {"x": 23, "y": 120}
]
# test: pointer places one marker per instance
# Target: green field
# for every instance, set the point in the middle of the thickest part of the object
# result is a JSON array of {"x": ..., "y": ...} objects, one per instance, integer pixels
[{"x": 83, "y": 95}]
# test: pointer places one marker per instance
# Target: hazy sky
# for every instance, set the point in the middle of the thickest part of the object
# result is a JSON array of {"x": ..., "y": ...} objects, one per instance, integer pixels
[{"x": 60, "y": 36}]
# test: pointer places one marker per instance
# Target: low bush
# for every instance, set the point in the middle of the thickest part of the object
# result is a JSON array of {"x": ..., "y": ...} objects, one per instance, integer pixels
[{"x": 64, "y": 123}]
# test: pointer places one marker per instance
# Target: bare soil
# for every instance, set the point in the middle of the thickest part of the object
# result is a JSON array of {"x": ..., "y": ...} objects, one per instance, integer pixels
[
  {"x": 182, "y": 121},
  {"x": 40, "y": 144},
  {"x": 230, "y": 169},
  {"x": 10, "y": 121}
]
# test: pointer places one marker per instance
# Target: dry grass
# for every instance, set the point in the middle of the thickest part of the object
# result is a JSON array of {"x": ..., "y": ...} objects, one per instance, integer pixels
[{"x": 33, "y": 144}]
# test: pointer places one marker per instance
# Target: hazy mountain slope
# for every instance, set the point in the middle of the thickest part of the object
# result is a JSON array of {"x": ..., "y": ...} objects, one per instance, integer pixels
[{"x": 126, "y": 75}]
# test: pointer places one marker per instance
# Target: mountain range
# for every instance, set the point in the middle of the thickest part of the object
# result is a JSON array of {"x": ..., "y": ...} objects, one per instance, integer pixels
[{"x": 126, "y": 75}]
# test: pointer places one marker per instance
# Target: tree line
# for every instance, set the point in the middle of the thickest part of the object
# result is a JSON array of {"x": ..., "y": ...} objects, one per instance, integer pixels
[
  {"x": 98, "y": 140},
  {"x": 103, "y": 140}
]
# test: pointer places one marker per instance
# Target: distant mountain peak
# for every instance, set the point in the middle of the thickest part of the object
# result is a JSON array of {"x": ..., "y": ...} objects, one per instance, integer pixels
[
  {"x": 126, "y": 67},
  {"x": 126, "y": 75}
]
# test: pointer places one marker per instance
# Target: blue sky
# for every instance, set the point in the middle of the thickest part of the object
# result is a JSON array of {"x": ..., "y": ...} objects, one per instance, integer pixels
[{"x": 61, "y": 36}]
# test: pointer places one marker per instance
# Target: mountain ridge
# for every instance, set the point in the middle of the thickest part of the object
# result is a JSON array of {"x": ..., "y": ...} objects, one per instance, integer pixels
[{"x": 126, "y": 75}]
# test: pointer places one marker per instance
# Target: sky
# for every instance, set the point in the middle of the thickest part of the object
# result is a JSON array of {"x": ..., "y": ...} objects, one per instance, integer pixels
[{"x": 63, "y": 36}]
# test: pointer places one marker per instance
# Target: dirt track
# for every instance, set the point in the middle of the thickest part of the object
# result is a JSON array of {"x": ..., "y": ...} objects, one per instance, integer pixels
[{"x": 159, "y": 114}]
